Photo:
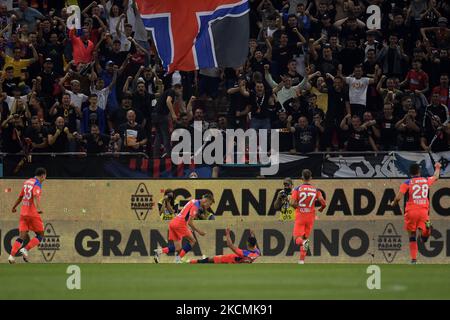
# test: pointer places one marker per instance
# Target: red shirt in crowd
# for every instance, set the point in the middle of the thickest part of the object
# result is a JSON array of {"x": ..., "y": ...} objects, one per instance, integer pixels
[
  {"x": 417, "y": 80},
  {"x": 443, "y": 95},
  {"x": 81, "y": 52}
]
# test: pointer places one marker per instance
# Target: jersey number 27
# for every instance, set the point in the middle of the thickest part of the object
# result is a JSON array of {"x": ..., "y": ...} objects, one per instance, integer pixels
[{"x": 304, "y": 196}]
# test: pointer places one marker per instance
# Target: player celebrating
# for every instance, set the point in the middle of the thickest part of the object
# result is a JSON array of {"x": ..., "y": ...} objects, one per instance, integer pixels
[
  {"x": 239, "y": 255},
  {"x": 30, "y": 219},
  {"x": 417, "y": 206},
  {"x": 303, "y": 199},
  {"x": 178, "y": 228}
]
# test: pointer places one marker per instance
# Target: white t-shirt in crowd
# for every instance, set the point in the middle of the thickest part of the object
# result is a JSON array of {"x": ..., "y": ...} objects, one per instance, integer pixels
[
  {"x": 270, "y": 32},
  {"x": 102, "y": 96},
  {"x": 125, "y": 44},
  {"x": 77, "y": 99},
  {"x": 357, "y": 89},
  {"x": 112, "y": 21},
  {"x": 140, "y": 34},
  {"x": 176, "y": 78},
  {"x": 10, "y": 101}
]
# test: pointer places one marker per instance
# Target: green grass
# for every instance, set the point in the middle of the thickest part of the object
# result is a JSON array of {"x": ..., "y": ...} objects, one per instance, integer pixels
[{"x": 257, "y": 281}]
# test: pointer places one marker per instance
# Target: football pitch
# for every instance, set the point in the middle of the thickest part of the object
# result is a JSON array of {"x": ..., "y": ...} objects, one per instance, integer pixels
[{"x": 246, "y": 281}]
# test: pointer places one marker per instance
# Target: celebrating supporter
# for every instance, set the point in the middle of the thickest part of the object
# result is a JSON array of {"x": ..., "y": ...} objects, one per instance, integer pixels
[
  {"x": 409, "y": 129},
  {"x": 359, "y": 138},
  {"x": 386, "y": 124},
  {"x": 132, "y": 134},
  {"x": 37, "y": 135},
  {"x": 95, "y": 141},
  {"x": 59, "y": 136},
  {"x": 306, "y": 136},
  {"x": 66, "y": 110}
]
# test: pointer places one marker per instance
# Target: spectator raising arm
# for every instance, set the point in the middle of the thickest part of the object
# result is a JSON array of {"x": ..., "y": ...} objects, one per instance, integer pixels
[
  {"x": 344, "y": 123},
  {"x": 85, "y": 11},
  {"x": 63, "y": 80},
  {"x": 35, "y": 53},
  {"x": 124, "y": 65},
  {"x": 119, "y": 22},
  {"x": 268, "y": 54},
  {"x": 423, "y": 32},
  {"x": 103, "y": 27},
  {"x": 169, "y": 102},
  {"x": 138, "y": 46},
  {"x": 136, "y": 77},
  {"x": 268, "y": 77},
  {"x": 380, "y": 84},
  {"x": 114, "y": 79},
  {"x": 300, "y": 37},
  {"x": 304, "y": 85},
  {"x": 6, "y": 29},
  {"x": 126, "y": 85}
]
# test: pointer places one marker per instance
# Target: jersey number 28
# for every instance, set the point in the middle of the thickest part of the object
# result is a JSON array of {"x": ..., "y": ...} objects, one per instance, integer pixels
[{"x": 420, "y": 191}]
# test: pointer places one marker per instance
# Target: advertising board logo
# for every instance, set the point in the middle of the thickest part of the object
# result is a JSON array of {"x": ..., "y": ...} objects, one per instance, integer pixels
[
  {"x": 50, "y": 244},
  {"x": 390, "y": 242},
  {"x": 141, "y": 202}
]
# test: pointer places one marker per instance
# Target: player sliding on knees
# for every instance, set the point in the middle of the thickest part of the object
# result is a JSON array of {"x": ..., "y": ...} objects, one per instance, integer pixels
[
  {"x": 178, "y": 228},
  {"x": 30, "y": 219},
  {"x": 248, "y": 255},
  {"x": 417, "y": 207},
  {"x": 303, "y": 199}
]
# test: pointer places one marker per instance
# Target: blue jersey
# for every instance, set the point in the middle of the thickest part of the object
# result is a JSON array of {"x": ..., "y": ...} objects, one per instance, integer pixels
[{"x": 247, "y": 256}]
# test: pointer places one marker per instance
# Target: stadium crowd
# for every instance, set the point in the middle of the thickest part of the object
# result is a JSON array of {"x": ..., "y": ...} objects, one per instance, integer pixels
[{"x": 314, "y": 72}]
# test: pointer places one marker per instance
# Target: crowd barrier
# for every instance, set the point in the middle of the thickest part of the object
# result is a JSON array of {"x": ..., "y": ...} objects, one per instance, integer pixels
[
  {"x": 139, "y": 166},
  {"x": 117, "y": 220}
]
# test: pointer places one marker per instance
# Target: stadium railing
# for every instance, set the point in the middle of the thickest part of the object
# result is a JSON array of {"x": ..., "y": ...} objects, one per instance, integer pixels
[{"x": 382, "y": 164}]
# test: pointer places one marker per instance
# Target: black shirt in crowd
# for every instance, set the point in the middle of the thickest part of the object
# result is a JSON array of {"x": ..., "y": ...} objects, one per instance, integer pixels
[
  {"x": 129, "y": 134},
  {"x": 285, "y": 135},
  {"x": 117, "y": 57},
  {"x": 48, "y": 83},
  {"x": 62, "y": 141},
  {"x": 161, "y": 106},
  {"x": 70, "y": 117},
  {"x": 144, "y": 104},
  {"x": 410, "y": 139},
  {"x": 259, "y": 106},
  {"x": 336, "y": 106},
  {"x": 258, "y": 66},
  {"x": 9, "y": 84},
  {"x": 327, "y": 66},
  {"x": 358, "y": 140},
  {"x": 55, "y": 52},
  {"x": 440, "y": 143},
  {"x": 12, "y": 138},
  {"x": 305, "y": 138},
  {"x": 37, "y": 137},
  {"x": 388, "y": 133},
  {"x": 96, "y": 143},
  {"x": 238, "y": 103},
  {"x": 119, "y": 116},
  {"x": 282, "y": 55},
  {"x": 349, "y": 58},
  {"x": 436, "y": 110}
]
